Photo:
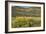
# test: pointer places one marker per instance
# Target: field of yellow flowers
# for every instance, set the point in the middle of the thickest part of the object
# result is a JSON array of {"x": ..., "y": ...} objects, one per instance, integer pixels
[{"x": 25, "y": 22}]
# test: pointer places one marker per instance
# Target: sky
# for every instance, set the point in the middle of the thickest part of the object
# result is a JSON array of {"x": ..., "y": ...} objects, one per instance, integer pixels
[{"x": 25, "y": 6}]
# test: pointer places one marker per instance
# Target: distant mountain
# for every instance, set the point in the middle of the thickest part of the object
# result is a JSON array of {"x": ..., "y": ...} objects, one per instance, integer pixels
[
  {"x": 29, "y": 11},
  {"x": 22, "y": 6}
]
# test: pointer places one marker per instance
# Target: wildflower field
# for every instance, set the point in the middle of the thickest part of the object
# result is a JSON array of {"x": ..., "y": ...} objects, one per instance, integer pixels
[{"x": 26, "y": 22}]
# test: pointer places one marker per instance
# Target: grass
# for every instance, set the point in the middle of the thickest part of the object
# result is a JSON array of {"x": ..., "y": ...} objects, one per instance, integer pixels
[{"x": 26, "y": 22}]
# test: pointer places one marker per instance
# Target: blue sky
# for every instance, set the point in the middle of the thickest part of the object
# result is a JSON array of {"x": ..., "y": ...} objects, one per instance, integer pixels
[{"x": 25, "y": 6}]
